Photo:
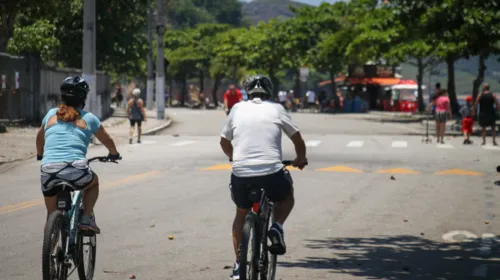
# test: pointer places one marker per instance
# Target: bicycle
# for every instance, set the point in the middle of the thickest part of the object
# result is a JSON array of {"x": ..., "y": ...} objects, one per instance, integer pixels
[
  {"x": 63, "y": 225},
  {"x": 257, "y": 224}
]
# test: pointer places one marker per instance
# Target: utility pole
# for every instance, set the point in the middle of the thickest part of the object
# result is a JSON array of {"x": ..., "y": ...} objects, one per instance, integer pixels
[
  {"x": 160, "y": 63},
  {"x": 89, "y": 54},
  {"x": 151, "y": 81}
]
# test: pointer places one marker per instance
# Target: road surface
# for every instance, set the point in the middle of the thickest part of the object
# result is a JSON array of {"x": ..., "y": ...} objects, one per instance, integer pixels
[{"x": 372, "y": 204}]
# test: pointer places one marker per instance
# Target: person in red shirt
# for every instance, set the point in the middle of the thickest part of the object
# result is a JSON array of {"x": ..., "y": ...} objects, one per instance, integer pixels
[{"x": 231, "y": 97}]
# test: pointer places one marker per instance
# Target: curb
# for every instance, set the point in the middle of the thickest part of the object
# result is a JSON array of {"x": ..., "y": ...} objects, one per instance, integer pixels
[
  {"x": 160, "y": 128},
  {"x": 394, "y": 120}
]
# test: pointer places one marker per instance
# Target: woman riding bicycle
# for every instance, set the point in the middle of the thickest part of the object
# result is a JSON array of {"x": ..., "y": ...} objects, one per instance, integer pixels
[{"x": 61, "y": 144}]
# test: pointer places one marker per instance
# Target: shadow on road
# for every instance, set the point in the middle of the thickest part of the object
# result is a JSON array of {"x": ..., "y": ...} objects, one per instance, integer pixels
[{"x": 396, "y": 257}]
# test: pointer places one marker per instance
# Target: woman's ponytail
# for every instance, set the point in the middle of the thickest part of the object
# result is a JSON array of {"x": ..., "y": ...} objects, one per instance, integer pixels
[{"x": 67, "y": 113}]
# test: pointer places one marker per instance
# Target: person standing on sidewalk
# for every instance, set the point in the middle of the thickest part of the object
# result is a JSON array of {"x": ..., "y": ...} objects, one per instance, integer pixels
[
  {"x": 468, "y": 120},
  {"x": 487, "y": 112},
  {"x": 136, "y": 114},
  {"x": 443, "y": 112}
]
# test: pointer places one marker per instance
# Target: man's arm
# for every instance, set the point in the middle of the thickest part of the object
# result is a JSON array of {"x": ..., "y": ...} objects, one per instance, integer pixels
[
  {"x": 474, "y": 108},
  {"x": 294, "y": 134},
  {"x": 226, "y": 137},
  {"x": 227, "y": 147},
  {"x": 497, "y": 105}
]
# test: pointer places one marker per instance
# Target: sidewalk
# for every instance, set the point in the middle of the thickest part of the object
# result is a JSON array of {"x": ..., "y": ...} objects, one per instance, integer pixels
[{"x": 19, "y": 142}]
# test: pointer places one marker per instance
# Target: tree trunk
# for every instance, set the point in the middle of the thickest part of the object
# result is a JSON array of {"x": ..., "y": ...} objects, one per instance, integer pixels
[
  {"x": 6, "y": 28},
  {"x": 420, "y": 78},
  {"x": 297, "y": 81},
  {"x": 276, "y": 84},
  {"x": 450, "y": 62},
  {"x": 218, "y": 79},
  {"x": 183, "y": 91},
  {"x": 334, "y": 85},
  {"x": 480, "y": 75},
  {"x": 202, "y": 81}
]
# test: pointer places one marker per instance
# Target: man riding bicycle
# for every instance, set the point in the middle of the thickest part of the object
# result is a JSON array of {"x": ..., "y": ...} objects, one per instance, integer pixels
[
  {"x": 61, "y": 145},
  {"x": 231, "y": 97},
  {"x": 255, "y": 129}
]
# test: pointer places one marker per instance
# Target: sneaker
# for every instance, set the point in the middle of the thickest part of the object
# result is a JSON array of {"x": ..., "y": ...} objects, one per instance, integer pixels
[
  {"x": 138, "y": 141},
  {"x": 236, "y": 272},
  {"x": 277, "y": 237},
  {"x": 88, "y": 224},
  {"x": 130, "y": 141}
]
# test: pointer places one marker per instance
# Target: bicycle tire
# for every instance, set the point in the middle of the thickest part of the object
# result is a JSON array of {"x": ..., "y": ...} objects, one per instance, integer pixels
[
  {"x": 269, "y": 264},
  {"x": 250, "y": 228},
  {"x": 54, "y": 226},
  {"x": 89, "y": 273}
]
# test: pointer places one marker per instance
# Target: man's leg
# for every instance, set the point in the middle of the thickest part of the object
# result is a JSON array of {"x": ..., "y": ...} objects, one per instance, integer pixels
[
  {"x": 483, "y": 134},
  {"x": 494, "y": 133},
  {"x": 238, "y": 222},
  {"x": 280, "y": 190},
  {"x": 131, "y": 131}
]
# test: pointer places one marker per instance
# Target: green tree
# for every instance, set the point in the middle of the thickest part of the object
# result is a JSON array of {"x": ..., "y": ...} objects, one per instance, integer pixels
[{"x": 38, "y": 37}]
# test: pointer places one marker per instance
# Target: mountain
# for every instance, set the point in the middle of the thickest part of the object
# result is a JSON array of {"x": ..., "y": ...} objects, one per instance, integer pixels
[{"x": 264, "y": 10}]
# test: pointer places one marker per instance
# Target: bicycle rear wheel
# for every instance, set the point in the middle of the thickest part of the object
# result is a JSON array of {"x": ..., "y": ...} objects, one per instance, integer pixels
[
  {"x": 87, "y": 252},
  {"x": 54, "y": 246},
  {"x": 249, "y": 265}
]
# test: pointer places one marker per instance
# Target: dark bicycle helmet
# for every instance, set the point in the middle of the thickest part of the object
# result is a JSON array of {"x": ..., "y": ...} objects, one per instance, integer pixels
[
  {"x": 74, "y": 91},
  {"x": 259, "y": 84}
]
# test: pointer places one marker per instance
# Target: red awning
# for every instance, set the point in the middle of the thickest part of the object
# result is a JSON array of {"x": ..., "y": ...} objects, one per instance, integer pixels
[{"x": 364, "y": 81}]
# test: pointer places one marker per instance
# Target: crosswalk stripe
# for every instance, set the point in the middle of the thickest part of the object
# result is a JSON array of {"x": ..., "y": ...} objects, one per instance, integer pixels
[
  {"x": 183, "y": 143},
  {"x": 445, "y": 146},
  {"x": 313, "y": 143},
  {"x": 355, "y": 144},
  {"x": 491, "y": 147},
  {"x": 399, "y": 144}
]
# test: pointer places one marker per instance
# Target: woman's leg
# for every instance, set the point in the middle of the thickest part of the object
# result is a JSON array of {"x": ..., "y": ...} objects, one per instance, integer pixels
[{"x": 90, "y": 195}]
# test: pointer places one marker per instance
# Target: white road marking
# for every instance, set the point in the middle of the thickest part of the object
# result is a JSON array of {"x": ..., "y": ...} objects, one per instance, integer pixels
[
  {"x": 355, "y": 144},
  {"x": 449, "y": 236},
  {"x": 445, "y": 146},
  {"x": 486, "y": 241},
  {"x": 489, "y": 147},
  {"x": 480, "y": 271},
  {"x": 399, "y": 144},
  {"x": 184, "y": 143},
  {"x": 313, "y": 143}
]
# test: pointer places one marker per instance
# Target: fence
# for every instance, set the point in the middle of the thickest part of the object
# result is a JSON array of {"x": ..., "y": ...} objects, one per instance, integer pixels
[{"x": 29, "y": 89}]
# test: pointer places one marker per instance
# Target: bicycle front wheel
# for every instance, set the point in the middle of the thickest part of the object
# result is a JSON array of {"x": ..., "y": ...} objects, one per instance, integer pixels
[
  {"x": 54, "y": 246},
  {"x": 249, "y": 260}
]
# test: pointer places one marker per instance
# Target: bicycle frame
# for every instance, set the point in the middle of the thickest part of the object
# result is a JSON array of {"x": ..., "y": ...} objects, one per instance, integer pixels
[{"x": 73, "y": 215}]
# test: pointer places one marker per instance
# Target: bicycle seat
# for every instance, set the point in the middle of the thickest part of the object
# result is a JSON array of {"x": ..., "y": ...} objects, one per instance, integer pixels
[{"x": 65, "y": 186}]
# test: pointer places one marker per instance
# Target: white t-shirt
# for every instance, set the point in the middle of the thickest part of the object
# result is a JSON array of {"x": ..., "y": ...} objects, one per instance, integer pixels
[
  {"x": 282, "y": 95},
  {"x": 311, "y": 96},
  {"x": 254, "y": 127}
]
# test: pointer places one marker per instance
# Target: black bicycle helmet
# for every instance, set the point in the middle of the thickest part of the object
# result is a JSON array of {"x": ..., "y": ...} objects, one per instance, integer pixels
[
  {"x": 259, "y": 84},
  {"x": 74, "y": 91}
]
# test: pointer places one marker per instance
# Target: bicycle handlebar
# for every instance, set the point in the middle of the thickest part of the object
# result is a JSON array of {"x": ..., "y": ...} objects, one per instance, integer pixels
[{"x": 103, "y": 159}]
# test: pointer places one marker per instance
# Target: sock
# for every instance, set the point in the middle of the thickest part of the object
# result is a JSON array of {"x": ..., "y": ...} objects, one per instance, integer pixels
[{"x": 279, "y": 225}]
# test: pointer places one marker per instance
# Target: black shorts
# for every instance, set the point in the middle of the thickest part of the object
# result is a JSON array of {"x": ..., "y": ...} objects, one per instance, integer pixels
[
  {"x": 277, "y": 186},
  {"x": 133, "y": 122},
  {"x": 487, "y": 120}
]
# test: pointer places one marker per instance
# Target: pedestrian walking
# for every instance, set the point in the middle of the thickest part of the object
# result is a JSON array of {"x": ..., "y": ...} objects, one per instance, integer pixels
[
  {"x": 443, "y": 112},
  {"x": 136, "y": 114},
  {"x": 488, "y": 106}
]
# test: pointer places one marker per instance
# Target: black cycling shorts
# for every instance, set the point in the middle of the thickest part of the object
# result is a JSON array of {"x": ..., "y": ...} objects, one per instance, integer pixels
[
  {"x": 277, "y": 186},
  {"x": 133, "y": 122}
]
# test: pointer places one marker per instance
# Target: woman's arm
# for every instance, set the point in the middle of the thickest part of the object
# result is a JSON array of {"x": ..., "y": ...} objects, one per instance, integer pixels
[{"x": 40, "y": 141}]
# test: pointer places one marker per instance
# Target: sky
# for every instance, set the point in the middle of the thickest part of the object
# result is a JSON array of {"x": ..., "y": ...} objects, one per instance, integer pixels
[{"x": 310, "y": 2}]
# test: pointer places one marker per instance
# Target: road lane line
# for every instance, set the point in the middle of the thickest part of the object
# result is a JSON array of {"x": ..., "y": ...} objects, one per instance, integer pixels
[
  {"x": 355, "y": 144},
  {"x": 35, "y": 202},
  {"x": 184, "y": 143},
  {"x": 399, "y": 144},
  {"x": 313, "y": 143},
  {"x": 17, "y": 205}
]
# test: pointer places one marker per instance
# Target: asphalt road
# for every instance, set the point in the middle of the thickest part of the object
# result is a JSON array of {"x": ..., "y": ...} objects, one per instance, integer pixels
[{"x": 372, "y": 204}]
